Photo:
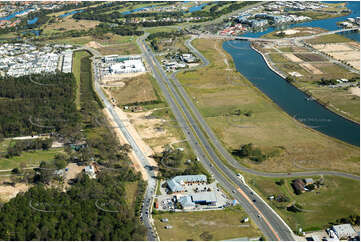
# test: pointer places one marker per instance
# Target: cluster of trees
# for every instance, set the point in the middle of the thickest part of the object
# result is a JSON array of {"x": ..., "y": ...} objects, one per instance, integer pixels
[
  {"x": 170, "y": 162},
  {"x": 30, "y": 144},
  {"x": 251, "y": 152},
  {"x": 353, "y": 219},
  {"x": 37, "y": 104},
  {"x": 79, "y": 214},
  {"x": 154, "y": 37},
  {"x": 156, "y": 15},
  {"x": 213, "y": 13},
  {"x": 326, "y": 82}
]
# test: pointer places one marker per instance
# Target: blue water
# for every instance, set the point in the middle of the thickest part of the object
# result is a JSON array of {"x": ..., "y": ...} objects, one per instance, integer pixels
[
  {"x": 70, "y": 13},
  {"x": 36, "y": 32},
  {"x": 197, "y": 8},
  {"x": 329, "y": 24},
  {"x": 33, "y": 21},
  {"x": 13, "y": 15},
  {"x": 289, "y": 98},
  {"x": 137, "y": 10}
]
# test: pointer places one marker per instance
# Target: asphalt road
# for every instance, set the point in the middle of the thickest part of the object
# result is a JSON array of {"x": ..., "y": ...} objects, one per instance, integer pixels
[
  {"x": 220, "y": 148},
  {"x": 151, "y": 186},
  {"x": 272, "y": 226}
]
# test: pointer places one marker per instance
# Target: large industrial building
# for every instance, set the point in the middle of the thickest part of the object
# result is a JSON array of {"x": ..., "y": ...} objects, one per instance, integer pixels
[{"x": 115, "y": 64}]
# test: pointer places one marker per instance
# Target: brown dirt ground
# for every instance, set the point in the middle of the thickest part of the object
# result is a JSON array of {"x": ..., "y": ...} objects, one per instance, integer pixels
[
  {"x": 7, "y": 192},
  {"x": 310, "y": 68},
  {"x": 137, "y": 164},
  {"x": 72, "y": 24},
  {"x": 292, "y": 57},
  {"x": 147, "y": 129}
]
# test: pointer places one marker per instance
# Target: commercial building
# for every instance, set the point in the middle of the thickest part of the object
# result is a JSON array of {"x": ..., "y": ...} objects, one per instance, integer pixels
[
  {"x": 177, "y": 183},
  {"x": 205, "y": 198},
  {"x": 186, "y": 202},
  {"x": 115, "y": 64},
  {"x": 343, "y": 231},
  {"x": 202, "y": 198}
]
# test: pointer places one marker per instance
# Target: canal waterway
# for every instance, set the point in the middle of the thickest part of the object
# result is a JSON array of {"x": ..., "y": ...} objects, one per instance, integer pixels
[
  {"x": 329, "y": 24},
  {"x": 296, "y": 103}
]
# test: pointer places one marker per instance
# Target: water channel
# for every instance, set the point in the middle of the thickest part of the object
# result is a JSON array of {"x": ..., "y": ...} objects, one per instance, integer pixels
[{"x": 252, "y": 65}]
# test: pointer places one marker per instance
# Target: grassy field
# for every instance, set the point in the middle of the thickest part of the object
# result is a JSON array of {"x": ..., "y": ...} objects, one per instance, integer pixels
[
  {"x": 72, "y": 41},
  {"x": 219, "y": 93},
  {"x": 77, "y": 56},
  {"x": 30, "y": 158},
  {"x": 207, "y": 225},
  {"x": 278, "y": 58},
  {"x": 68, "y": 23},
  {"x": 301, "y": 31},
  {"x": 337, "y": 198},
  {"x": 331, "y": 38},
  {"x": 120, "y": 49},
  {"x": 131, "y": 193},
  {"x": 135, "y": 89}
]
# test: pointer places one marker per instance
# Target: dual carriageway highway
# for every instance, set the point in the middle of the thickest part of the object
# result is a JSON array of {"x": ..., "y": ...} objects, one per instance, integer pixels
[
  {"x": 206, "y": 148},
  {"x": 272, "y": 226}
]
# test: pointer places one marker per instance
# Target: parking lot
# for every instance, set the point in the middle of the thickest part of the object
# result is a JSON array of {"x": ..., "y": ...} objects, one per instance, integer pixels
[{"x": 167, "y": 202}]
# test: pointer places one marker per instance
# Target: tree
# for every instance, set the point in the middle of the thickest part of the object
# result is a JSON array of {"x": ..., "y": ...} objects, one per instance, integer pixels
[
  {"x": 281, "y": 182},
  {"x": 206, "y": 236}
]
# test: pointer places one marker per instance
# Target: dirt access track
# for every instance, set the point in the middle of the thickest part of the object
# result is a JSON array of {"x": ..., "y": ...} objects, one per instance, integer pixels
[{"x": 142, "y": 146}]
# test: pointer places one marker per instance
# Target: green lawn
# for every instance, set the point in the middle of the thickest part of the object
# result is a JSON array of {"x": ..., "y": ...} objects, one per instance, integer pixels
[
  {"x": 205, "y": 225},
  {"x": 30, "y": 158},
  {"x": 77, "y": 56},
  {"x": 337, "y": 198},
  {"x": 131, "y": 193},
  {"x": 278, "y": 58}
]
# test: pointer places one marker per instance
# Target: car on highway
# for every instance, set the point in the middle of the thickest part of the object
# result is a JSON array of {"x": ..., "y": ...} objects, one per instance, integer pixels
[
  {"x": 254, "y": 200},
  {"x": 234, "y": 191}
]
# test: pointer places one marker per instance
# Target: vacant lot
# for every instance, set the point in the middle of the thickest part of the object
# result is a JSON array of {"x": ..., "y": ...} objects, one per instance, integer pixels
[
  {"x": 310, "y": 57},
  {"x": 294, "y": 32},
  {"x": 207, "y": 225},
  {"x": 315, "y": 67},
  {"x": 68, "y": 23},
  {"x": 135, "y": 89},
  {"x": 292, "y": 57},
  {"x": 120, "y": 49},
  {"x": 219, "y": 93},
  {"x": 310, "y": 68},
  {"x": 337, "y": 198},
  {"x": 331, "y": 38}
]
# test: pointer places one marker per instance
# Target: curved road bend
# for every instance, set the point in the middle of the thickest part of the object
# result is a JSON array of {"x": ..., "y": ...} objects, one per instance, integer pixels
[
  {"x": 220, "y": 148},
  {"x": 272, "y": 226},
  {"x": 151, "y": 186}
]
